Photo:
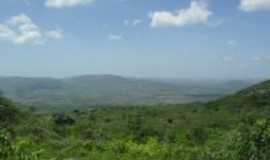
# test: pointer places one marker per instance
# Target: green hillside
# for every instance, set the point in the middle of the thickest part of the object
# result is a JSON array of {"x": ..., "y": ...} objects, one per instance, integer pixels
[
  {"x": 255, "y": 98},
  {"x": 233, "y": 128}
]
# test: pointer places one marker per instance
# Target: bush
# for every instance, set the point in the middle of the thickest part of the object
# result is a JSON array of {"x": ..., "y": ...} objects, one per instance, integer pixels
[
  {"x": 198, "y": 136},
  {"x": 5, "y": 146},
  {"x": 251, "y": 141},
  {"x": 19, "y": 151},
  {"x": 62, "y": 119}
]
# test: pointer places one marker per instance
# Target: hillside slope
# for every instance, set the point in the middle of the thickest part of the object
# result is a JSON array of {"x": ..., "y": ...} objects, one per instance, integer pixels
[
  {"x": 7, "y": 112},
  {"x": 256, "y": 97}
]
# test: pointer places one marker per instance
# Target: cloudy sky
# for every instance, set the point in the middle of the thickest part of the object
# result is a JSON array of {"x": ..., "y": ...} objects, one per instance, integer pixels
[{"x": 139, "y": 38}]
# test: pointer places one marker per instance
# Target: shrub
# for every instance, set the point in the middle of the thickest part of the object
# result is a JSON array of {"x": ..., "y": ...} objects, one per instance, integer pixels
[{"x": 251, "y": 141}]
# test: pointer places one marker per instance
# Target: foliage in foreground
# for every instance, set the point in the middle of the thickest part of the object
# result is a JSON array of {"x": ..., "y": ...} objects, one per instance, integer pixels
[
  {"x": 235, "y": 128},
  {"x": 61, "y": 140}
]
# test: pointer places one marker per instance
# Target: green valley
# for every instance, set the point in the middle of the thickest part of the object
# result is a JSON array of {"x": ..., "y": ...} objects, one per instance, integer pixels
[
  {"x": 67, "y": 94},
  {"x": 236, "y": 127}
]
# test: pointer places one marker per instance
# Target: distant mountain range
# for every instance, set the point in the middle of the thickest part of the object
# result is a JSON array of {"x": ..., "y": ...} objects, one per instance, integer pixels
[{"x": 100, "y": 90}]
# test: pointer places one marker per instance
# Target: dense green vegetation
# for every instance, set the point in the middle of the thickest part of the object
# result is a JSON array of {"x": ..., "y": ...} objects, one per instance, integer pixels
[
  {"x": 233, "y": 128},
  {"x": 48, "y": 94}
]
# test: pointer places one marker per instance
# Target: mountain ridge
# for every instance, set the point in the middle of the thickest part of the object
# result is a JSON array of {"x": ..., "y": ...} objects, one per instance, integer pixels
[{"x": 108, "y": 90}]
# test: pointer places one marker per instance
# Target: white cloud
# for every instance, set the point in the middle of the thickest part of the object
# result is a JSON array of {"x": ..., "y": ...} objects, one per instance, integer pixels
[
  {"x": 132, "y": 23},
  {"x": 55, "y": 34},
  {"x": 126, "y": 22},
  {"x": 254, "y": 5},
  {"x": 228, "y": 59},
  {"x": 260, "y": 58},
  {"x": 215, "y": 23},
  {"x": 21, "y": 29},
  {"x": 232, "y": 43},
  {"x": 115, "y": 37},
  {"x": 136, "y": 22},
  {"x": 27, "y": 2},
  {"x": 197, "y": 13},
  {"x": 67, "y": 3},
  {"x": 257, "y": 58},
  {"x": 6, "y": 32}
]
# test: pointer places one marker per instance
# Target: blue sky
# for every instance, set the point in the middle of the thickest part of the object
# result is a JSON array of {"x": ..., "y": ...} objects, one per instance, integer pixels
[{"x": 139, "y": 38}]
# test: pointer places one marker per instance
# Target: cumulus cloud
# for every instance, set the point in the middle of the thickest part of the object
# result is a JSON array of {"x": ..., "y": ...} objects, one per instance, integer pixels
[
  {"x": 67, "y": 3},
  {"x": 115, "y": 37},
  {"x": 55, "y": 34},
  {"x": 21, "y": 29},
  {"x": 254, "y": 5},
  {"x": 6, "y": 32},
  {"x": 132, "y": 23},
  {"x": 197, "y": 13}
]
